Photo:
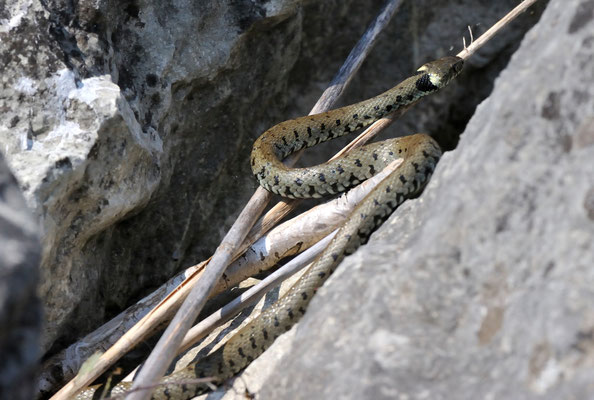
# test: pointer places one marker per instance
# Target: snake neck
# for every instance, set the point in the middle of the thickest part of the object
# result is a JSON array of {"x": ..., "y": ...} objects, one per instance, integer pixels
[{"x": 290, "y": 136}]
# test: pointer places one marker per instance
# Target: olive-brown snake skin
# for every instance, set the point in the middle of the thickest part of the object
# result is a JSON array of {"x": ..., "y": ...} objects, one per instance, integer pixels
[{"x": 420, "y": 154}]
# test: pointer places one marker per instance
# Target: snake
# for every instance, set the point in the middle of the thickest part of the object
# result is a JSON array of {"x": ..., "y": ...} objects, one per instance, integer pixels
[{"x": 419, "y": 153}]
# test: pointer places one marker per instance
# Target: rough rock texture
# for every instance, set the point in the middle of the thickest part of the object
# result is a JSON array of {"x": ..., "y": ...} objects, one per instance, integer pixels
[
  {"x": 20, "y": 308},
  {"x": 482, "y": 288},
  {"x": 129, "y": 125}
]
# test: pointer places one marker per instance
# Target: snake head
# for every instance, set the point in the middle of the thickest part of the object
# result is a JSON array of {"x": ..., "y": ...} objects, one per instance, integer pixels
[{"x": 443, "y": 70}]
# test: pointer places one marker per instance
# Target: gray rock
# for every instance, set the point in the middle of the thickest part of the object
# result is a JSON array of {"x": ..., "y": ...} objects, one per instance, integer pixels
[
  {"x": 129, "y": 126},
  {"x": 20, "y": 308},
  {"x": 483, "y": 287}
]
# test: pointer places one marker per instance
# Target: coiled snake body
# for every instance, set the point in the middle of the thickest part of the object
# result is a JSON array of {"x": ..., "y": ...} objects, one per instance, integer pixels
[{"x": 420, "y": 153}]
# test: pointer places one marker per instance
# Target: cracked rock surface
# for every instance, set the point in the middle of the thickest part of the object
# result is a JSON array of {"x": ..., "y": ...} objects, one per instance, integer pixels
[{"x": 128, "y": 126}]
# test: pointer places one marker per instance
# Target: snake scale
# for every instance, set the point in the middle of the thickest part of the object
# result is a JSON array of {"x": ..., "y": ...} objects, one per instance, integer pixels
[{"x": 420, "y": 154}]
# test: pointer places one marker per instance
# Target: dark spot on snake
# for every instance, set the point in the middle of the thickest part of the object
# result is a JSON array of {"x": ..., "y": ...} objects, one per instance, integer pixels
[
  {"x": 359, "y": 125},
  {"x": 392, "y": 153},
  {"x": 415, "y": 184},
  {"x": 371, "y": 169},
  {"x": 231, "y": 363},
  {"x": 296, "y": 134},
  {"x": 337, "y": 122},
  {"x": 298, "y": 182},
  {"x": 376, "y": 108},
  {"x": 334, "y": 256},
  {"x": 184, "y": 387},
  {"x": 363, "y": 216},
  {"x": 253, "y": 341},
  {"x": 322, "y": 274},
  {"x": 348, "y": 237},
  {"x": 399, "y": 98},
  {"x": 425, "y": 154},
  {"x": 399, "y": 151},
  {"x": 250, "y": 358},
  {"x": 321, "y": 177},
  {"x": 253, "y": 162},
  {"x": 308, "y": 131},
  {"x": 428, "y": 170},
  {"x": 322, "y": 127},
  {"x": 290, "y": 313},
  {"x": 265, "y": 334},
  {"x": 284, "y": 141},
  {"x": 375, "y": 203},
  {"x": 339, "y": 169},
  {"x": 416, "y": 166},
  {"x": 355, "y": 116},
  {"x": 388, "y": 107},
  {"x": 402, "y": 179},
  {"x": 276, "y": 323},
  {"x": 288, "y": 191},
  {"x": 409, "y": 97},
  {"x": 166, "y": 391},
  {"x": 304, "y": 295},
  {"x": 263, "y": 172},
  {"x": 353, "y": 179},
  {"x": 240, "y": 351},
  {"x": 287, "y": 328},
  {"x": 276, "y": 179},
  {"x": 388, "y": 189},
  {"x": 312, "y": 190},
  {"x": 334, "y": 187},
  {"x": 301, "y": 310},
  {"x": 374, "y": 155},
  {"x": 358, "y": 163},
  {"x": 347, "y": 129},
  {"x": 367, "y": 116},
  {"x": 424, "y": 84},
  {"x": 284, "y": 128}
]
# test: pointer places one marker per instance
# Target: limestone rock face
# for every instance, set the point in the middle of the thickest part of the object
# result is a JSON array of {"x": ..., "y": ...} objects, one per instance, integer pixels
[
  {"x": 129, "y": 125},
  {"x": 20, "y": 308},
  {"x": 482, "y": 287}
]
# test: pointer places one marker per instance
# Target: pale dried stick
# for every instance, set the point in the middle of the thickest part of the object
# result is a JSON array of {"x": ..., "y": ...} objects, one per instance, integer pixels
[
  {"x": 492, "y": 31},
  {"x": 166, "y": 349}
]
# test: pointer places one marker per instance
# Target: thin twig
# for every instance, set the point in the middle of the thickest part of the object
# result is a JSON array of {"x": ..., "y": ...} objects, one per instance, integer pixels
[
  {"x": 492, "y": 31},
  {"x": 166, "y": 349}
]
